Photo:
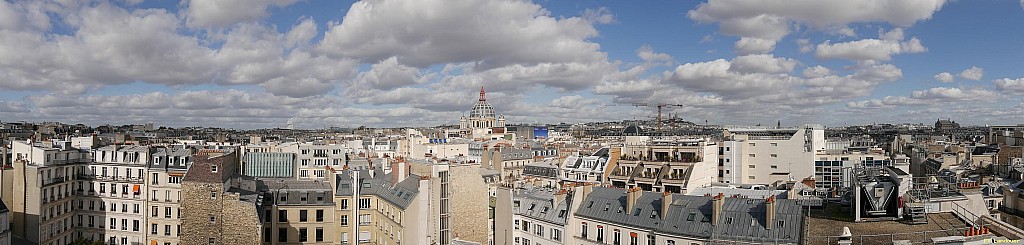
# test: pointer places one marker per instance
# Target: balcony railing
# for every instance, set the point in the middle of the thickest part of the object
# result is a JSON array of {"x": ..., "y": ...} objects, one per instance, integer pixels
[{"x": 53, "y": 181}]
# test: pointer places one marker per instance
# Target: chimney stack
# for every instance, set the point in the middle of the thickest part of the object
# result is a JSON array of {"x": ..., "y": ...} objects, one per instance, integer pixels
[
  {"x": 587, "y": 188},
  {"x": 559, "y": 197},
  {"x": 716, "y": 210},
  {"x": 666, "y": 200},
  {"x": 769, "y": 212},
  {"x": 631, "y": 195}
]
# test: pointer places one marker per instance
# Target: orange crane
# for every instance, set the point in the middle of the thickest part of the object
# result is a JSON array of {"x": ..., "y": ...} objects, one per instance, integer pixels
[{"x": 659, "y": 106}]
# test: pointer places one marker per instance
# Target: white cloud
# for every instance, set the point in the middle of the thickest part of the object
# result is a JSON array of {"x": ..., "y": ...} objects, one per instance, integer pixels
[
  {"x": 223, "y": 13},
  {"x": 867, "y": 49},
  {"x": 816, "y": 72},
  {"x": 422, "y": 33},
  {"x": 893, "y": 35},
  {"x": 647, "y": 54},
  {"x": 772, "y": 19},
  {"x": 1011, "y": 86},
  {"x": 805, "y": 45},
  {"x": 762, "y": 63},
  {"x": 387, "y": 75},
  {"x": 929, "y": 96},
  {"x": 747, "y": 46},
  {"x": 601, "y": 15},
  {"x": 974, "y": 73},
  {"x": 944, "y": 77}
]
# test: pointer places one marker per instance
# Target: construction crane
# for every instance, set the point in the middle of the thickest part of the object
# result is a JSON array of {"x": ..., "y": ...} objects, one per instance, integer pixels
[{"x": 659, "y": 106}]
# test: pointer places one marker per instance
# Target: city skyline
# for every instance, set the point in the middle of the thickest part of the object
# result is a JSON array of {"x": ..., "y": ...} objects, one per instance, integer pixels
[{"x": 315, "y": 64}]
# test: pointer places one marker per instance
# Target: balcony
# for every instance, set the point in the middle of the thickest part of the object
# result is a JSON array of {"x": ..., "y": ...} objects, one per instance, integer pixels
[{"x": 53, "y": 181}]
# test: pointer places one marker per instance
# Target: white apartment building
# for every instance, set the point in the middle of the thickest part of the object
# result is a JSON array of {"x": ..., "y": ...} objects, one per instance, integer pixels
[
  {"x": 118, "y": 207},
  {"x": 768, "y": 155},
  {"x": 313, "y": 158}
]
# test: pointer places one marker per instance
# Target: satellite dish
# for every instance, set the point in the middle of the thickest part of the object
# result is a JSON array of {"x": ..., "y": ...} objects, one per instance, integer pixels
[{"x": 846, "y": 233}]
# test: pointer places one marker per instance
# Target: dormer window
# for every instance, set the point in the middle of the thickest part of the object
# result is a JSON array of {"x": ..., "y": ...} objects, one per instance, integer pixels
[{"x": 213, "y": 168}]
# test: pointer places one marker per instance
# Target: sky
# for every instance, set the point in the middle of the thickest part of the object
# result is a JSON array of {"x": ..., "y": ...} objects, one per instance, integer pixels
[{"x": 396, "y": 63}]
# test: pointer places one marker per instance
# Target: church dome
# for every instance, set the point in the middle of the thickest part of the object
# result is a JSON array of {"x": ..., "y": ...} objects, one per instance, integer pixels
[{"x": 482, "y": 109}]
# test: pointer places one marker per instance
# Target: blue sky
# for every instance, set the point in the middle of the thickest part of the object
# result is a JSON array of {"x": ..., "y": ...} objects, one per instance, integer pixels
[{"x": 267, "y": 63}]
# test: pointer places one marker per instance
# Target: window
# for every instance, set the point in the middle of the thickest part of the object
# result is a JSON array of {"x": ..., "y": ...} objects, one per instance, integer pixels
[
  {"x": 135, "y": 225},
  {"x": 155, "y": 211},
  {"x": 213, "y": 195},
  {"x": 282, "y": 235},
  {"x": 302, "y": 235},
  {"x": 156, "y": 177},
  {"x": 319, "y": 234},
  {"x": 344, "y": 204},
  {"x": 213, "y": 168},
  {"x": 167, "y": 212},
  {"x": 775, "y": 144},
  {"x": 583, "y": 231},
  {"x": 632, "y": 238},
  {"x": 364, "y": 203},
  {"x": 167, "y": 230},
  {"x": 539, "y": 229},
  {"x": 154, "y": 229},
  {"x": 302, "y": 215},
  {"x": 319, "y": 215},
  {"x": 671, "y": 242},
  {"x": 344, "y": 220},
  {"x": 266, "y": 235},
  {"x": 616, "y": 237},
  {"x": 774, "y": 155},
  {"x": 213, "y": 241},
  {"x": 600, "y": 234},
  {"x": 282, "y": 215},
  {"x": 650, "y": 239},
  {"x": 751, "y": 154},
  {"x": 364, "y": 219},
  {"x": 556, "y": 234},
  {"x": 213, "y": 219}
]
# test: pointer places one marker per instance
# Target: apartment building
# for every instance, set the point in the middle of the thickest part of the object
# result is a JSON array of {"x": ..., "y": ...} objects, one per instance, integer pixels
[
  {"x": 118, "y": 174},
  {"x": 302, "y": 212},
  {"x": 312, "y": 158},
  {"x": 673, "y": 165},
  {"x": 383, "y": 209},
  {"x": 588, "y": 169},
  {"x": 165, "y": 173},
  {"x": 633, "y": 216},
  {"x": 769, "y": 155},
  {"x": 43, "y": 194},
  {"x": 539, "y": 216}
]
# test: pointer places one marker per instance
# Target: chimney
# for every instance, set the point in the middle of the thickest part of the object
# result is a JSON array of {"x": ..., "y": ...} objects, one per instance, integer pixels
[
  {"x": 769, "y": 212},
  {"x": 716, "y": 209},
  {"x": 631, "y": 195},
  {"x": 559, "y": 197},
  {"x": 666, "y": 200},
  {"x": 587, "y": 188}
]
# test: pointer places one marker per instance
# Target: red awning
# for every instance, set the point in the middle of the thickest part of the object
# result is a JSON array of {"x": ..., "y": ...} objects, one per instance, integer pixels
[{"x": 136, "y": 189}]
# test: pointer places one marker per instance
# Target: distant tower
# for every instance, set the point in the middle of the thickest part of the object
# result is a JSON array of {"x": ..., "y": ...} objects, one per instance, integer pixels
[
  {"x": 501, "y": 121},
  {"x": 462, "y": 121},
  {"x": 482, "y": 115},
  {"x": 778, "y": 124}
]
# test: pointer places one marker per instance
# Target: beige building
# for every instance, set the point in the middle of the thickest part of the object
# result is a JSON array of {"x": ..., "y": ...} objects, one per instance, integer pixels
[
  {"x": 41, "y": 191},
  {"x": 164, "y": 177},
  {"x": 382, "y": 209},
  {"x": 302, "y": 212}
]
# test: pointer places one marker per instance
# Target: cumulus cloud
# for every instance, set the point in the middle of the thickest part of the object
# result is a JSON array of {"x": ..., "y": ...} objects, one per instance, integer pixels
[
  {"x": 816, "y": 72},
  {"x": 774, "y": 19},
  {"x": 974, "y": 73},
  {"x": 747, "y": 46},
  {"x": 429, "y": 32},
  {"x": 600, "y": 15},
  {"x": 762, "y": 63},
  {"x": 223, "y": 13},
  {"x": 867, "y": 49},
  {"x": 1011, "y": 86},
  {"x": 647, "y": 54},
  {"x": 944, "y": 77},
  {"x": 928, "y": 97}
]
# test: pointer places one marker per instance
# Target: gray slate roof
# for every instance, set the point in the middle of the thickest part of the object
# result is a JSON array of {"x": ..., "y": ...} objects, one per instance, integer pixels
[
  {"x": 741, "y": 219},
  {"x": 539, "y": 204},
  {"x": 399, "y": 194}
]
